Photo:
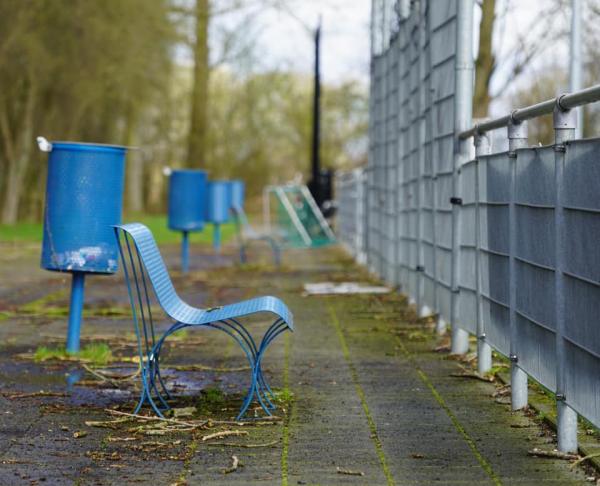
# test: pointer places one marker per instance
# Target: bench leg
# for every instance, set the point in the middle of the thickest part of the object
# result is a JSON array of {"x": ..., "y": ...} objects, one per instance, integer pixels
[
  {"x": 235, "y": 333},
  {"x": 155, "y": 380},
  {"x": 276, "y": 328},
  {"x": 259, "y": 386},
  {"x": 262, "y": 389},
  {"x": 276, "y": 252},
  {"x": 146, "y": 395},
  {"x": 154, "y": 376}
]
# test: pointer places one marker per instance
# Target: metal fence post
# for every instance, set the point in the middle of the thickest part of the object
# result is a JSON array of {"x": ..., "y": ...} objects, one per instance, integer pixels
[
  {"x": 463, "y": 120},
  {"x": 565, "y": 122},
  {"x": 483, "y": 147},
  {"x": 517, "y": 138},
  {"x": 575, "y": 71},
  {"x": 426, "y": 308},
  {"x": 441, "y": 324}
]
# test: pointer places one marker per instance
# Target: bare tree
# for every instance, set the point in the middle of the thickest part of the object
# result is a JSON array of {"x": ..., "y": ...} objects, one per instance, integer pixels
[{"x": 539, "y": 36}]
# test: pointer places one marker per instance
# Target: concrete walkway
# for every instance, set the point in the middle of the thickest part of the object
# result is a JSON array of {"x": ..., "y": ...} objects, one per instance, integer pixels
[{"x": 365, "y": 398}]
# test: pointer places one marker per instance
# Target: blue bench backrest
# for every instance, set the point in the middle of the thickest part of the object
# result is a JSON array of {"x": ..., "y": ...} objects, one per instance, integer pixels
[{"x": 156, "y": 271}]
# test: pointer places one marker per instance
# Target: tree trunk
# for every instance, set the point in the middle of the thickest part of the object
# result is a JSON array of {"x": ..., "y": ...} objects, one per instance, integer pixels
[
  {"x": 196, "y": 155},
  {"x": 135, "y": 168},
  {"x": 12, "y": 195},
  {"x": 486, "y": 62},
  {"x": 18, "y": 144},
  {"x": 156, "y": 183}
]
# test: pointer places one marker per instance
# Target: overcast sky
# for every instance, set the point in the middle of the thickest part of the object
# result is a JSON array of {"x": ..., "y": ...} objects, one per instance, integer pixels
[
  {"x": 284, "y": 42},
  {"x": 345, "y": 37},
  {"x": 284, "y": 39}
]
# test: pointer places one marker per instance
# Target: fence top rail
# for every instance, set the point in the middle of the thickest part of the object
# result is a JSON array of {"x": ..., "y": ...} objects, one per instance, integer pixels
[{"x": 563, "y": 102}]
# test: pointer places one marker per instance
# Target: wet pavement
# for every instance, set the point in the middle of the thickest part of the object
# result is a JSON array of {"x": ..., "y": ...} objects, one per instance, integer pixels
[{"x": 364, "y": 396}]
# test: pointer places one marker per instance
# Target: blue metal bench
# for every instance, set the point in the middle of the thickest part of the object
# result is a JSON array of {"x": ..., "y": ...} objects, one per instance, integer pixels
[
  {"x": 246, "y": 233},
  {"x": 144, "y": 267}
]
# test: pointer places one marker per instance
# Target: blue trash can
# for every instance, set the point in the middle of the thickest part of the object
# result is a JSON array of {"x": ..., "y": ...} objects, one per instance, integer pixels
[
  {"x": 187, "y": 200},
  {"x": 84, "y": 199},
  {"x": 187, "y": 206},
  {"x": 238, "y": 189},
  {"x": 219, "y": 201},
  {"x": 219, "y": 204}
]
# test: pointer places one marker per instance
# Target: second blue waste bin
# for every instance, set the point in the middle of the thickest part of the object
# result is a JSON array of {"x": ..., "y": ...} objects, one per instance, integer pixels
[
  {"x": 187, "y": 206},
  {"x": 187, "y": 200}
]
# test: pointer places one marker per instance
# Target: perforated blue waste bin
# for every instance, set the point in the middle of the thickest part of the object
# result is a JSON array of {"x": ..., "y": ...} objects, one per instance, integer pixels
[
  {"x": 187, "y": 200},
  {"x": 238, "y": 189},
  {"x": 219, "y": 204},
  {"x": 84, "y": 198},
  {"x": 187, "y": 206}
]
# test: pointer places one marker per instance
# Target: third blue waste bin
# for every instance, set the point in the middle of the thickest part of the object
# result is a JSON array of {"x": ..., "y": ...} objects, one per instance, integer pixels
[
  {"x": 219, "y": 204},
  {"x": 237, "y": 194}
]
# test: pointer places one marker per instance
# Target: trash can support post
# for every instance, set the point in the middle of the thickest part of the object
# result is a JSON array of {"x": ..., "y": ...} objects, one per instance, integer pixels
[
  {"x": 185, "y": 252},
  {"x": 75, "y": 311},
  {"x": 217, "y": 238}
]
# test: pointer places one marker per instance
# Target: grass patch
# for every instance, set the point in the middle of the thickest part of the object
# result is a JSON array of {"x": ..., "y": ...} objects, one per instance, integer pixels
[
  {"x": 163, "y": 235},
  {"x": 95, "y": 353},
  {"x": 32, "y": 232},
  {"x": 180, "y": 336},
  {"x": 41, "y": 305},
  {"x": 21, "y": 232},
  {"x": 284, "y": 396},
  {"x": 211, "y": 401}
]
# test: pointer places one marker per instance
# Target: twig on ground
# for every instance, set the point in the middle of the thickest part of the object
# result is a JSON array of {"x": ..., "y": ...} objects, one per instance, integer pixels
[
  {"x": 103, "y": 379},
  {"x": 199, "y": 367},
  {"x": 41, "y": 393},
  {"x": 235, "y": 462},
  {"x": 475, "y": 376},
  {"x": 501, "y": 391},
  {"x": 245, "y": 446},
  {"x": 585, "y": 458},
  {"x": 111, "y": 378},
  {"x": 159, "y": 419},
  {"x": 107, "y": 424},
  {"x": 554, "y": 454},
  {"x": 223, "y": 433},
  {"x": 349, "y": 472},
  {"x": 272, "y": 420}
]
